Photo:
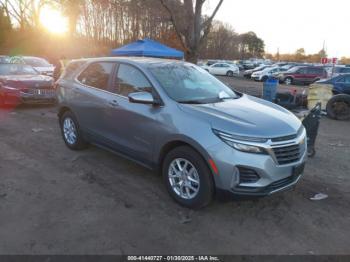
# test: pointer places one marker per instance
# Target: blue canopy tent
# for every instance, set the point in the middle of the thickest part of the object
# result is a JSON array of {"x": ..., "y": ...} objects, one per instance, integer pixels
[{"x": 147, "y": 47}]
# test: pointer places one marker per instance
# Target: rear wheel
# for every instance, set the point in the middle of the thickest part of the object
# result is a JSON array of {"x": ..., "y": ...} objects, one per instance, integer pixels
[
  {"x": 338, "y": 107},
  {"x": 288, "y": 81},
  {"x": 229, "y": 73},
  {"x": 187, "y": 177},
  {"x": 70, "y": 132}
]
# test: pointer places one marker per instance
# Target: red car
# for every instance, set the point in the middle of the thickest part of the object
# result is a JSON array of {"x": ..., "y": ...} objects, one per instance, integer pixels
[
  {"x": 302, "y": 75},
  {"x": 22, "y": 84}
]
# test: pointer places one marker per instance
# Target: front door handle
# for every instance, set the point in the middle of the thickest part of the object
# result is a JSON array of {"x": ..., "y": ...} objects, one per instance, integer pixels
[{"x": 113, "y": 103}]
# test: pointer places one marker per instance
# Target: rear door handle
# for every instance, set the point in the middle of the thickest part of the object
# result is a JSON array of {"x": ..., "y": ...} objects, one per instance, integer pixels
[{"x": 113, "y": 103}]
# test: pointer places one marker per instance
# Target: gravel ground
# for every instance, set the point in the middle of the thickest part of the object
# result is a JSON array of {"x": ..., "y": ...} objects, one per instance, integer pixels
[{"x": 56, "y": 201}]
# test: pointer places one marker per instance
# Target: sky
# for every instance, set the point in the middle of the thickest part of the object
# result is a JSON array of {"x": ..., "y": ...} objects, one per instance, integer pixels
[{"x": 289, "y": 25}]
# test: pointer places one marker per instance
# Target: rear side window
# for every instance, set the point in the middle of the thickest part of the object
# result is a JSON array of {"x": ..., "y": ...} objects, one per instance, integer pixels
[
  {"x": 344, "y": 70},
  {"x": 97, "y": 75},
  {"x": 129, "y": 79}
]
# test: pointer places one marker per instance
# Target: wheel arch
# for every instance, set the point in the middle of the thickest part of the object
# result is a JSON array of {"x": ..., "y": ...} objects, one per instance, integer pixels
[
  {"x": 62, "y": 110},
  {"x": 172, "y": 144}
]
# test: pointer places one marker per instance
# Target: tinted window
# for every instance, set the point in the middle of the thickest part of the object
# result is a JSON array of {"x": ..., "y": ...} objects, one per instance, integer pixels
[
  {"x": 345, "y": 79},
  {"x": 344, "y": 70},
  {"x": 130, "y": 79},
  {"x": 301, "y": 71},
  {"x": 217, "y": 65},
  {"x": 97, "y": 75},
  {"x": 315, "y": 71}
]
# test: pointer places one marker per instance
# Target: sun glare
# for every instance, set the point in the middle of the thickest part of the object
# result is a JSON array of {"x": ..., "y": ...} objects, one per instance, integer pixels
[{"x": 53, "y": 21}]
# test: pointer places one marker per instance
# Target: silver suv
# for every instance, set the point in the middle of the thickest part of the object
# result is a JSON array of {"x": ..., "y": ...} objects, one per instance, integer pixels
[{"x": 175, "y": 117}]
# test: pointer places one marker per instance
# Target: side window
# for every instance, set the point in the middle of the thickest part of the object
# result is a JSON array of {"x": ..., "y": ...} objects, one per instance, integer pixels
[
  {"x": 217, "y": 65},
  {"x": 347, "y": 79},
  {"x": 225, "y": 65},
  {"x": 301, "y": 71},
  {"x": 97, "y": 75},
  {"x": 341, "y": 80},
  {"x": 130, "y": 79}
]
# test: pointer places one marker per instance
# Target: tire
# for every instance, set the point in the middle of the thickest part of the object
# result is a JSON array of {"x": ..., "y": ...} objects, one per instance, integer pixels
[
  {"x": 288, "y": 81},
  {"x": 200, "y": 172},
  {"x": 264, "y": 78},
  {"x": 229, "y": 73},
  {"x": 71, "y": 133},
  {"x": 338, "y": 107}
]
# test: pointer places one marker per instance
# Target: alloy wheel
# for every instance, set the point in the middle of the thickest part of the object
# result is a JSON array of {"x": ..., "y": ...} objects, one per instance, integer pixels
[
  {"x": 184, "y": 179},
  {"x": 69, "y": 131}
]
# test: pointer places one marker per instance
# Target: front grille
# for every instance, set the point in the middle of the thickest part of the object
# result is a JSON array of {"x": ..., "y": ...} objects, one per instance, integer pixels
[
  {"x": 41, "y": 91},
  {"x": 247, "y": 175},
  {"x": 281, "y": 183},
  {"x": 283, "y": 138},
  {"x": 287, "y": 154}
]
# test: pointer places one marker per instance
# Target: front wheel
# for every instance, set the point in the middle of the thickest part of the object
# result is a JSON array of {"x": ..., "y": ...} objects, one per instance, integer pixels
[
  {"x": 187, "y": 177},
  {"x": 229, "y": 73},
  {"x": 70, "y": 132}
]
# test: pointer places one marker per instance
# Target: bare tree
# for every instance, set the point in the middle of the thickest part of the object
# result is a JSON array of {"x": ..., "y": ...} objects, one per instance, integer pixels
[{"x": 190, "y": 25}]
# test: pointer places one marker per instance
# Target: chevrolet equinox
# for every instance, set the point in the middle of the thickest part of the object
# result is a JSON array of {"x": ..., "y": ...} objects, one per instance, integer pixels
[{"x": 175, "y": 117}]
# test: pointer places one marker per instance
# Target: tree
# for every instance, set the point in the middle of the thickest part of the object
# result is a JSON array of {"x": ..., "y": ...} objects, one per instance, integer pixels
[
  {"x": 190, "y": 25},
  {"x": 251, "y": 45}
]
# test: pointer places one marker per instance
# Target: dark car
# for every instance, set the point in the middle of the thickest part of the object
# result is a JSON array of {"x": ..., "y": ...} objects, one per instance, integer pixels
[
  {"x": 340, "y": 83},
  {"x": 303, "y": 75},
  {"x": 338, "y": 107},
  {"x": 22, "y": 84},
  {"x": 248, "y": 73}
]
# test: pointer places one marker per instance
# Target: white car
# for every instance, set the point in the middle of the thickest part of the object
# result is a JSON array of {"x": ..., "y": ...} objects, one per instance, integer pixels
[
  {"x": 263, "y": 75},
  {"x": 223, "y": 69}
]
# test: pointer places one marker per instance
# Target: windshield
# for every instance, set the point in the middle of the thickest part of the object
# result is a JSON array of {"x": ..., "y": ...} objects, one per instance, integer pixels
[
  {"x": 36, "y": 62},
  {"x": 187, "y": 83},
  {"x": 17, "y": 69}
]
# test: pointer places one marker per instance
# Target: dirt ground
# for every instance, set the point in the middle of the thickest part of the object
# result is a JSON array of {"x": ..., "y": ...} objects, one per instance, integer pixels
[{"x": 56, "y": 201}]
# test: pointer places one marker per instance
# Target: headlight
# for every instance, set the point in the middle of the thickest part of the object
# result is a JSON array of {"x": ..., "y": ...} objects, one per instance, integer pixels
[{"x": 231, "y": 140}]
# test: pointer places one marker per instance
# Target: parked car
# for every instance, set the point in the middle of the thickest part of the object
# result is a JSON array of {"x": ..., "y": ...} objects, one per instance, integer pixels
[
  {"x": 175, "y": 117},
  {"x": 223, "y": 69},
  {"x": 248, "y": 73},
  {"x": 248, "y": 64},
  {"x": 266, "y": 73},
  {"x": 338, "y": 107},
  {"x": 39, "y": 64},
  {"x": 22, "y": 84},
  {"x": 338, "y": 70},
  {"x": 4, "y": 59},
  {"x": 340, "y": 83},
  {"x": 302, "y": 75}
]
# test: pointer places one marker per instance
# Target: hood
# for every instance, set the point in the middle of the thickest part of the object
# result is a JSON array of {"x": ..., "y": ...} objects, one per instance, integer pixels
[
  {"x": 247, "y": 116},
  {"x": 27, "y": 81}
]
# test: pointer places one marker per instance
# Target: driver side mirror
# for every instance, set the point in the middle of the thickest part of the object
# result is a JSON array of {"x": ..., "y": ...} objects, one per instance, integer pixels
[{"x": 141, "y": 98}]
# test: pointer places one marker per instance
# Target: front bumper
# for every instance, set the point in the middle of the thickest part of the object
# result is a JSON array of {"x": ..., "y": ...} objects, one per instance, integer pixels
[
  {"x": 30, "y": 98},
  {"x": 272, "y": 175}
]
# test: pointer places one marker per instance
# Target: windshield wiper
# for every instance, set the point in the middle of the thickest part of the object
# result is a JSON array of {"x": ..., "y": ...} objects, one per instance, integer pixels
[{"x": 190, "y": 102}]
